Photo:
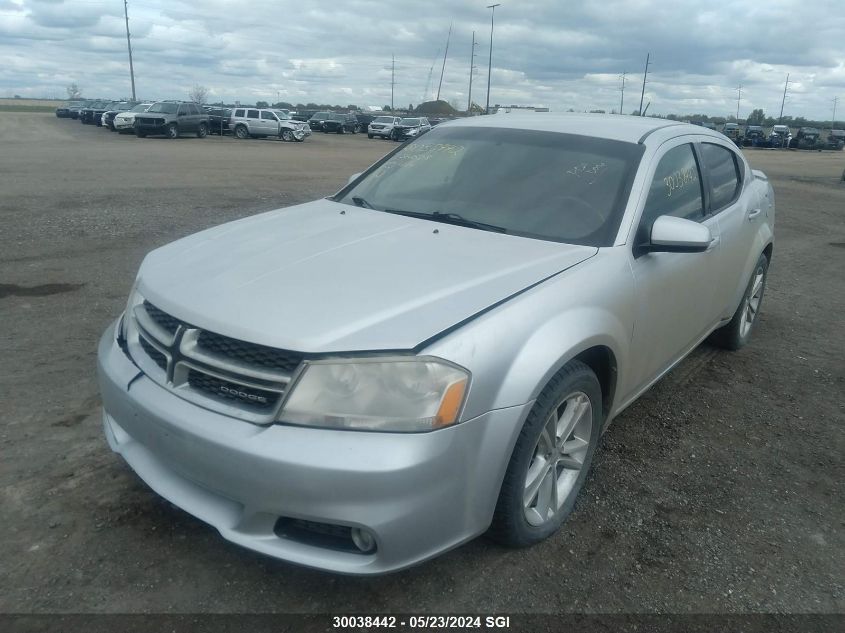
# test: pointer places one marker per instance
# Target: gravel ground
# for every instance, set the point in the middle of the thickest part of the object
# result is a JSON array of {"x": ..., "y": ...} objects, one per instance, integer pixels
[{"x": 718, "y": 491}]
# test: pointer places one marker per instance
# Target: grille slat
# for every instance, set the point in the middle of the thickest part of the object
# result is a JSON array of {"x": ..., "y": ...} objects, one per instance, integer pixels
[
  {"x": 164, "y": 320},
  {"x": 159, "y": 358},
  {"x": 251, "y": 353}
]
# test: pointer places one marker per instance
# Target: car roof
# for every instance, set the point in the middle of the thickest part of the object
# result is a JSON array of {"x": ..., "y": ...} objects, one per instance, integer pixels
[{"x": 627, "y": 128}]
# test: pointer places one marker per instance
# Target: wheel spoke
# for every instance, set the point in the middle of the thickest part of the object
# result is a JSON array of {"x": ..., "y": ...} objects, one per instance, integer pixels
[
  {"x": 536, "y": 474},
  {"x": 546, "y": 494},
  {"x": 758, "y": 285}
]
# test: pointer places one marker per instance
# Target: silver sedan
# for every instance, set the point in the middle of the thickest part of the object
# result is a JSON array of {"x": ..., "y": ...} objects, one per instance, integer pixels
[{"x": 362, "y": 382}]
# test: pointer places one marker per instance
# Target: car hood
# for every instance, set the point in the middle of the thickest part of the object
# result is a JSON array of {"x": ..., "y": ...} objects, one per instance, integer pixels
[{"x": 326, "y": 277}]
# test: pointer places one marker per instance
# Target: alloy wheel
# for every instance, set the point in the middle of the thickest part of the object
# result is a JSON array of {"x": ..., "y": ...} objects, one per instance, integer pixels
[{"x": 752, "y": 302}]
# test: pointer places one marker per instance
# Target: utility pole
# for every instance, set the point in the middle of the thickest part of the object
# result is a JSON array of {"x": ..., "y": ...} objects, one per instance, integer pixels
[
  {"x": 490, "y": 61},
  {"x": 785, "y": 86},
  {"x": 738, "y": 97},
  {"x": 645, "y": 75},
  {"x": 392, "y": 79},
  {"x": 622, "y": 100},
  {"x": 129, "y": 46},
  {"x": 445, "y": 53},
  {"x": 833, "y": 120},
  {"x": 471, "y": 68}
]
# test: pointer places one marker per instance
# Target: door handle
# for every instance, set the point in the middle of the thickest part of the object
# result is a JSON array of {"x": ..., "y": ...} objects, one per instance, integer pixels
[
  {"x": 713, "y": 244},
  {"x": 754, "y": 213}
]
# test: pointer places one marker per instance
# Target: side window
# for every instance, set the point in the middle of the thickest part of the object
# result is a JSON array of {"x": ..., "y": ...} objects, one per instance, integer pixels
[
  {"x": 182, "y": 111},
  {"x": 675, "y": 190},
  {"x": 268, "y": 116},
  {"x": 192, "y": 109},
  {"x": 724, "y": 174},
  {"x": 239, "y": 113},
  {"x": 252, "y": 114}
]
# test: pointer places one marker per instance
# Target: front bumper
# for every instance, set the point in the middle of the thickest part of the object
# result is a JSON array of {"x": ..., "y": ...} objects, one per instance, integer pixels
[{"x": 417, "y": 494}]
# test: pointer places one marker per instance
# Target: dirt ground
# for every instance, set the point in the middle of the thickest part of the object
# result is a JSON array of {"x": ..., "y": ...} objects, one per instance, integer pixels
[{"x": 719, "y": 491}]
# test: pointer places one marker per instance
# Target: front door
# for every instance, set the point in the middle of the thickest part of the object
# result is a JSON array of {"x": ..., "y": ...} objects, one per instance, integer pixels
[{"x": 674, "y": 291}]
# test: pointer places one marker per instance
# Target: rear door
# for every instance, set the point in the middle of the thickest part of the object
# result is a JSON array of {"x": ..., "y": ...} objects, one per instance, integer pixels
[
  {"x": 674, "y": 291},
  {"x": 739, "y": 218},
  {"x": 253, "y": 121}
]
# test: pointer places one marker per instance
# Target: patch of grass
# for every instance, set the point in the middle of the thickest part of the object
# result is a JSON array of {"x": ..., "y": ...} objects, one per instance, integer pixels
[{"x": 23, "y": 108}]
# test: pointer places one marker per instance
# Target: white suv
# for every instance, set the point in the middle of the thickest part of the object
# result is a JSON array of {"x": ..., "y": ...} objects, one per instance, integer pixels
[
  {"x": 259, "y": 122},
  {"x": 382, "y": 126}
]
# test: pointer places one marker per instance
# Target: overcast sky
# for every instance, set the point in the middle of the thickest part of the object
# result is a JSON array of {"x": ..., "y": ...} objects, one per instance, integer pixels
[{"x": 546, "y": 52}]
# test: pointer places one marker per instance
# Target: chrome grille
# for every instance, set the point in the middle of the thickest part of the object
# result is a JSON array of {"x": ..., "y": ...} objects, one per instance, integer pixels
[{"x": 238, "y": 378}]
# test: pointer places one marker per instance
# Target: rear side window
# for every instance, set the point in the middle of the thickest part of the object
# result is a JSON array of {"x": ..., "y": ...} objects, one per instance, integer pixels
[
  {"x": 675, "y": 189},
  {"x": 252, "y": 114},
  {"x": 724, "y": 175},
  {"x": 239, "y": 113},
  {"x": 192, "y": 109}
]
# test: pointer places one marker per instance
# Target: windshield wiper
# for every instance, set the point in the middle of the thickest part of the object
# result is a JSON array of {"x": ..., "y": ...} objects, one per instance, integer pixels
[
  {"x": 449, "y": 218},
  {"x": 360, "y": 202}
]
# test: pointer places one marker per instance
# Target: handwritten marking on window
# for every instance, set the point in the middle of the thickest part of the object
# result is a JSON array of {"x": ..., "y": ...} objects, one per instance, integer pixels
[{"x": 679, "y": 180}]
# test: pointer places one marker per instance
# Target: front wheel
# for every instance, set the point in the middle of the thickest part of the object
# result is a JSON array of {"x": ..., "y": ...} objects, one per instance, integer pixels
[
  {"x": 551, "y": 458},
  {"x": 202, "y": 130},
  {"x": 172, "y": 131},
  {"x": 737, "y": 332},
  {"x": 287, "y": 135},
  {"x": 139, "y": 133}
]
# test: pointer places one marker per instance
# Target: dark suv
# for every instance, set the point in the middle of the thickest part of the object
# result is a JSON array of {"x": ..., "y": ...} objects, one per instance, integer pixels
[
  {"x": 172, "y": 118},
  {"x": 341, "y": 123},
  {"x": 317, "y": 119}
]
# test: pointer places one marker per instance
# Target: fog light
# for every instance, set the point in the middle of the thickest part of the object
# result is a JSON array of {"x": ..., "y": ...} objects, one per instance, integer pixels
[{"x": 363, "y": 540}]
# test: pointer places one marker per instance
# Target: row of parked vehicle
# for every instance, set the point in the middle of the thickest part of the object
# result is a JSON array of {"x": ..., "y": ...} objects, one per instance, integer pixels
[
  {"x": 172, "y": 118},
  {"x": 781, "y": 136}
]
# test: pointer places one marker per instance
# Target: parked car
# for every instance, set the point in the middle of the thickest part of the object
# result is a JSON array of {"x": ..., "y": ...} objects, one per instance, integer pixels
[
  {"x": 754, "y": 136},
  {"x": 65, "y": 111},
  {"x": 364, "y": 120},
  {"x": 733, "y": 132},
  {"x": 410, "y": 128},
  {"x": 300, "y": 381},
  {"x": 218, "y": 120},
  {"x": 303, "y": 115},
  {"x": 341, "y": 124},
  {"x": 836, "y": 139},
  {"x": 107, "y": 118},
  {"x": 315, "y": 122},
  {"x": 91, "y": 113},
  {"x": 262, "y": 122},
  {"x": 125, "y": 121},
  {"x": 781, "y": 136},
  {"x": 383, "y": 126},
  {"x": 807, "y": 138},
  {"x": 172, "y": 119}
]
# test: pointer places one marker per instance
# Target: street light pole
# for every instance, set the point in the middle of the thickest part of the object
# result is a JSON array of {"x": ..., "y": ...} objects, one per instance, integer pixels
[
  {"x": 471, "y": 68},
  {"x": 129, "y": 46},
  {"x": 645, "y": 75},
  {"x": 490, "y": 61}
]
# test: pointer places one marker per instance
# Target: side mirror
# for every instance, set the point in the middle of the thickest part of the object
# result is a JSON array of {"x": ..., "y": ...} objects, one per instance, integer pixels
[
  {"x": 353, "y": 177},
  {"x": 678, "y": 235}
]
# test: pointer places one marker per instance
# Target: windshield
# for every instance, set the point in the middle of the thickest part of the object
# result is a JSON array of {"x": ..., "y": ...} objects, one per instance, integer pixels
[
  {"x": 383, "y": 119},
  {"x": 321, "y": 116},
  {"x": 164, "y": 108},
  {"x": 410, "y": 122},
  {"x": 558, "y": 187},
  {"x": 141, "y": 107}
]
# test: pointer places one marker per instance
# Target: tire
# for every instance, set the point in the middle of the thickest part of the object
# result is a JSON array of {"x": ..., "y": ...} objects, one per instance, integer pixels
[
  {"x": 573, "y": 391},
  {"x": 341, "y": 130},
  {"x": 202, "y": 130},
  {"x": 287, "y": 135},
  {"x": 369, "y": 136},
  {"x": 737, "y": 332},
  {"x": 172, "y": 131},
  {"x": 139, "y": 133},
  {"x": 241, "y": 132}
]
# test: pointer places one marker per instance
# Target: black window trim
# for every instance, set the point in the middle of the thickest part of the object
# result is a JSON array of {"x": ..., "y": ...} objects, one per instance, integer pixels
[{"x": 740, "y": 171}]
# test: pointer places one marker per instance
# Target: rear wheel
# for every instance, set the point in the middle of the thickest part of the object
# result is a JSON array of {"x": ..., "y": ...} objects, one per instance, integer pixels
[
  {"x": 737, "y": 332},
  {"x": 172, "y": 131},
  {"x": 202, "y": 130},
  {"x": 241, "y": 132},
  {"x": 551, "y": 458}
]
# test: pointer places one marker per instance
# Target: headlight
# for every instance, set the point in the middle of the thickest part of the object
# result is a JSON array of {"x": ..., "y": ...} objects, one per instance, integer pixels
[
  {"x": 134, "y": 299},
  {"x": 404, "y": 395}
]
